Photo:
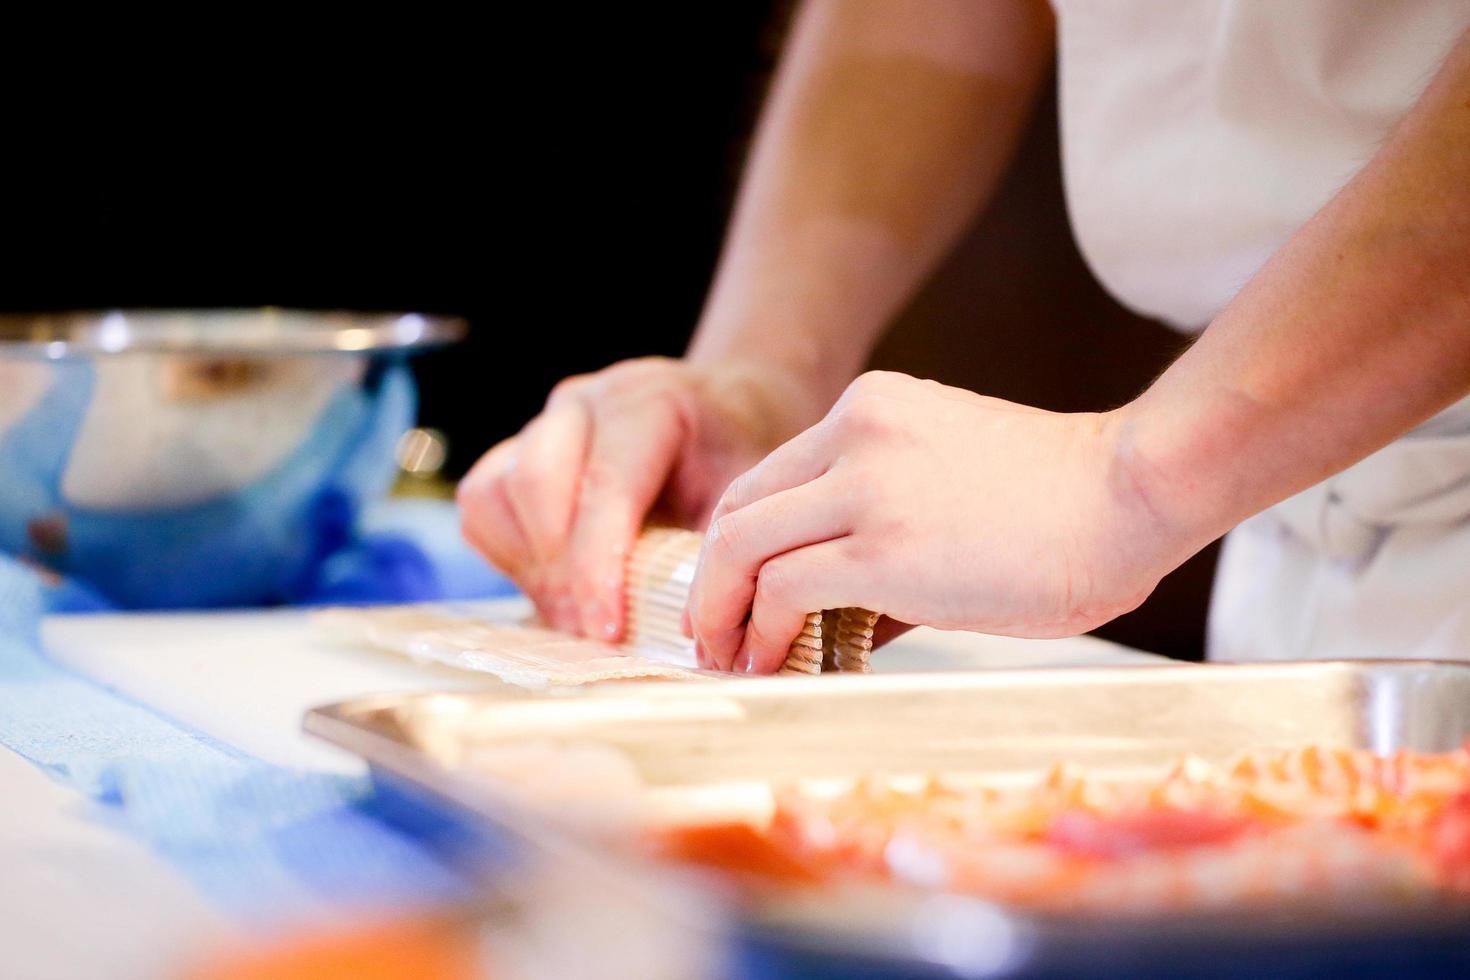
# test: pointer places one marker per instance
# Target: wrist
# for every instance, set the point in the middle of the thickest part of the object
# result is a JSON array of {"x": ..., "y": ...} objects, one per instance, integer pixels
[
  {"x": 772, "y": 400},
  {"x": 1164, "y": 502},
  {"x": 792, "y": 365}
]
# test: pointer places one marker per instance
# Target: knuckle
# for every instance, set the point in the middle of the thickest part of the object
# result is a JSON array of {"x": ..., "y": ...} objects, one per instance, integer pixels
[
  {"x": 725, "y": 535},
  {"x": 872, "y": 382},
  {"x": 642, "y": 394},
  {"x": 871, "y": 415},
  {"x": 568, "y": 388},
  {"x": 526, "y": 476},
  {"x": 617, "y": 378},
  {"x": 865, "y": 383},
  {"x": 757, "y": 637},
  {"x": 735, "y": 495},
  {"x": 649, "y": 364},
  {"x": 600, "y": 478},
  {"x": 635, "y": 373},
  {"x": 773, "y": 583}
]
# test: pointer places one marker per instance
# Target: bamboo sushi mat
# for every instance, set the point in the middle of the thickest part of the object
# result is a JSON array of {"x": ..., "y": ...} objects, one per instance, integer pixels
[{"x": 528, "y": 654}]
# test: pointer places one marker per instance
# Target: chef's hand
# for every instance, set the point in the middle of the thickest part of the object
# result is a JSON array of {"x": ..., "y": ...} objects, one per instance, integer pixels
[
  {"x": 557, "y": 507},
  {"x": 931, "y": 505}
]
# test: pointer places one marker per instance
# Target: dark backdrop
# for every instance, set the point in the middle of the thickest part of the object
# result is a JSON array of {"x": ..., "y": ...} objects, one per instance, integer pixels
[
  {"x": 559, "y": 176},
  {"x": 562, "y": 181}
]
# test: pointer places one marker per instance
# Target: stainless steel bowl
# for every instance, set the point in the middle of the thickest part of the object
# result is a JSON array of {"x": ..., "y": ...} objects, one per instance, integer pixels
[{"x": 199, "y": 457}]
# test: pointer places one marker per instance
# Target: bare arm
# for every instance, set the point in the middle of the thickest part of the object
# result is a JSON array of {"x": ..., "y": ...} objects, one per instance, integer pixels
[
  {"x": 936, "y": 505},
  {"x": 887, "y": 128},
  {"x": 1355, "y": 331}
]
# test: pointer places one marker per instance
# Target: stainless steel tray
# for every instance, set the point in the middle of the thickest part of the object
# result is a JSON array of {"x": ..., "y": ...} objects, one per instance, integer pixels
[
  {"x": 989, "y": 723},
  {"x": 704, "y": 749}
]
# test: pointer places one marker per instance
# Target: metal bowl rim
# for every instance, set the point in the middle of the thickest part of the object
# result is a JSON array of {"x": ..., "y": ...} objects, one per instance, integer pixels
[{"x": 263, "y": 331}]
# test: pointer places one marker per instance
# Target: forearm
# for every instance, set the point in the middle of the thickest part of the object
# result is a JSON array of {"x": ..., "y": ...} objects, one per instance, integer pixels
[
  {"x": 1355, "y": 331},
  {"x": 887, "y": 127}
]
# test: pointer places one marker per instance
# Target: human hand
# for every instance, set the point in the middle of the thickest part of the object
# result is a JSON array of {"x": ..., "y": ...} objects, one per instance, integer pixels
[
  {"x": 933, "y": 505},
  {"x": 557, "y": 506}
]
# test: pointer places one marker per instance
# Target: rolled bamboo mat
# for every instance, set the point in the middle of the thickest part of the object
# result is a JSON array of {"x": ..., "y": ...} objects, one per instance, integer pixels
[{"x": 660, "y": 572}]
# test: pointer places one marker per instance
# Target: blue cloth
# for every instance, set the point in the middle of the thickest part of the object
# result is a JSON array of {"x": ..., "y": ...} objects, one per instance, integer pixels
[
  {"x": 432, "y": 528},
  {"x": 263, "y": 842}
]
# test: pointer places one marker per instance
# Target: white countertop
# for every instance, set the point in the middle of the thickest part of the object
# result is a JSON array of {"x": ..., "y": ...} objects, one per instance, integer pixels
[
  {"x": 247, "y": 678},
  {"x": 80, "y": 895}
]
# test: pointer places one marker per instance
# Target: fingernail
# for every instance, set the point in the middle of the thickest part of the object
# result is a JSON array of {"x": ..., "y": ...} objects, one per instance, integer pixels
[{"x": 744, "y": 663}]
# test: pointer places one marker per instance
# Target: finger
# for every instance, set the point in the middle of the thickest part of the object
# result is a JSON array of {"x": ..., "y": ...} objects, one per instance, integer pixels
[
  {"x": 544, "y": 473},
  {"x": 787, "y": 588},
  {"x": 701, "y": 659},
  {"x": 485, "y": 514},
  {"x": 633, "y": 448},
  {"x": 491, "y": 525},
  {"x": 740, "y": 543},
  {"x": 487, "y": 518},
  {"x": 571, "y": 388},
  {"x": 799, "y": 460},
  {"x": 541, "y": 484}
]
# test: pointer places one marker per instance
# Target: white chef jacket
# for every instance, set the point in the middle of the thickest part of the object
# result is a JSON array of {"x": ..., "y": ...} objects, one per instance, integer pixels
[{"x": 1197, "y": 136}]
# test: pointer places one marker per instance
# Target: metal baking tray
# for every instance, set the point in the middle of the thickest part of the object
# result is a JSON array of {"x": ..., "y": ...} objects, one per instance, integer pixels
[
  {"x": 696, "y": 751},
  {"x": 990, "y": 723}
]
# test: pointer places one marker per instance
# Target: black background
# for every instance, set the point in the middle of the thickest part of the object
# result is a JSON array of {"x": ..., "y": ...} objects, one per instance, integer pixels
[{"x": 559, "y": 176}]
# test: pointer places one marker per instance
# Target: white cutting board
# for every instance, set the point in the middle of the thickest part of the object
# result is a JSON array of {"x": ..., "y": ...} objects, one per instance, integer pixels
[{"x": 247, "y": 678}]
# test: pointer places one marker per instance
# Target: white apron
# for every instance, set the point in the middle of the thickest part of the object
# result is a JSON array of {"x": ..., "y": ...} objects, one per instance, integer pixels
[{"x": 1197, "y": 135}]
